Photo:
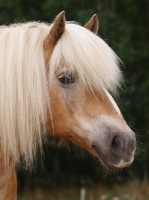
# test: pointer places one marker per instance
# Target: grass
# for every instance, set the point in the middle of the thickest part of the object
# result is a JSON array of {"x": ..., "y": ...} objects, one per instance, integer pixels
[{"x": 129, "y": 191}]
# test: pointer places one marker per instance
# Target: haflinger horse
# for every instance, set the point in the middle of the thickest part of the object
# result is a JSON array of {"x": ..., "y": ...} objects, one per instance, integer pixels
[{"x": 58, "y": 78}]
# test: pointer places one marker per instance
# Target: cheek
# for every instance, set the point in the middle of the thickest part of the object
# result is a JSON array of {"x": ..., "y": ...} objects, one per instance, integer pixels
[
  {"x": 69, "y": 105},
  {"x": 65, "y": 112},
  {"x": 63, "y": 108},
  {"x": 65, "y": 124}
]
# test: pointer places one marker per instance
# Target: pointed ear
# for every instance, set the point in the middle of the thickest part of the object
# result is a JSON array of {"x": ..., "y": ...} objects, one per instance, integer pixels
[
  {"x": 92, "y": 24},
  {"x": 58, "y": 27},
  {"x": 54, "y": 35}
]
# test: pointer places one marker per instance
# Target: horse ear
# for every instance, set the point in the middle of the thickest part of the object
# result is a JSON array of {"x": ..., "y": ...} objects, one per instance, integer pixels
[
  {"x": 58, "y": 27},
  {"x": 54, "y": 35},
  {"x": 56, "y": 31},
  {"x": 92, "y": 24}
]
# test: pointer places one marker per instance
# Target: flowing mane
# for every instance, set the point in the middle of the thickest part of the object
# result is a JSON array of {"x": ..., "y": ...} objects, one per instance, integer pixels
[
  {"x": 23, "y": 89},
  {"x": 24, "y": 85}
]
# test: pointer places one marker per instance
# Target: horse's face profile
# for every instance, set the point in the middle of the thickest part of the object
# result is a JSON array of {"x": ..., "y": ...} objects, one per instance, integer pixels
[
  {"x": 81, "y": 112},
  {"x": 92, "y": 122}
]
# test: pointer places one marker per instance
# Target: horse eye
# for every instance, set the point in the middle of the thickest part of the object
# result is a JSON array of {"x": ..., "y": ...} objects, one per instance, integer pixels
[{"x": 66, "y": 78}]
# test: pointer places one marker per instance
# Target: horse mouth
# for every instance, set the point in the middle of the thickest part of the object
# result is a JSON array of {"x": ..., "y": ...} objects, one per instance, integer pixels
[{"x": 110, "y": 161}]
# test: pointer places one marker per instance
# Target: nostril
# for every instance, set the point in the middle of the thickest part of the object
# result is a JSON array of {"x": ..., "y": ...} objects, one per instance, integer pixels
[{"x": 115, "y": 142}]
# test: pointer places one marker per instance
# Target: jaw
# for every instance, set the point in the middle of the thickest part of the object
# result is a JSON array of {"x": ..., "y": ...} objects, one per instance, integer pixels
[
  {"x": 114, "y": 154},
  {"x": 113, "y": 144},
  {"x": 108, "y": 159}
]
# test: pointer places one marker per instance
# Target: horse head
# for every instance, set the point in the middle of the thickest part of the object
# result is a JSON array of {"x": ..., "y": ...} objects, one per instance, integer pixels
[{"x": 82, "y": 108}]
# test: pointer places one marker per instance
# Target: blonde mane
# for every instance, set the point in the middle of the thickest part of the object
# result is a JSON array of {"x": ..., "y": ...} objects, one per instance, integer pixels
[
  {"x": 24, "y": 94},
  {"x": 23, "y": 89}
]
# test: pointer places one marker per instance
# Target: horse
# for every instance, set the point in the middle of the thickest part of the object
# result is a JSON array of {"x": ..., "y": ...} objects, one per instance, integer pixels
[{"x": 59, "y": 79}]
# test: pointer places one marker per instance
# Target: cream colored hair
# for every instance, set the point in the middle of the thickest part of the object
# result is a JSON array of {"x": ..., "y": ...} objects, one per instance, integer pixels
[{"x": 24, "y": 96}]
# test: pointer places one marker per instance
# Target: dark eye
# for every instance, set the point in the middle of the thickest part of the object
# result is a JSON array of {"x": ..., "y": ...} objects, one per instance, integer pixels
[{"x": 66, "y": 78}]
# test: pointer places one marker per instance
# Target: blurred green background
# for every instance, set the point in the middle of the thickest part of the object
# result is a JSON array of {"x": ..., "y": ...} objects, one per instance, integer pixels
[{"x": 124, "y": 25}]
